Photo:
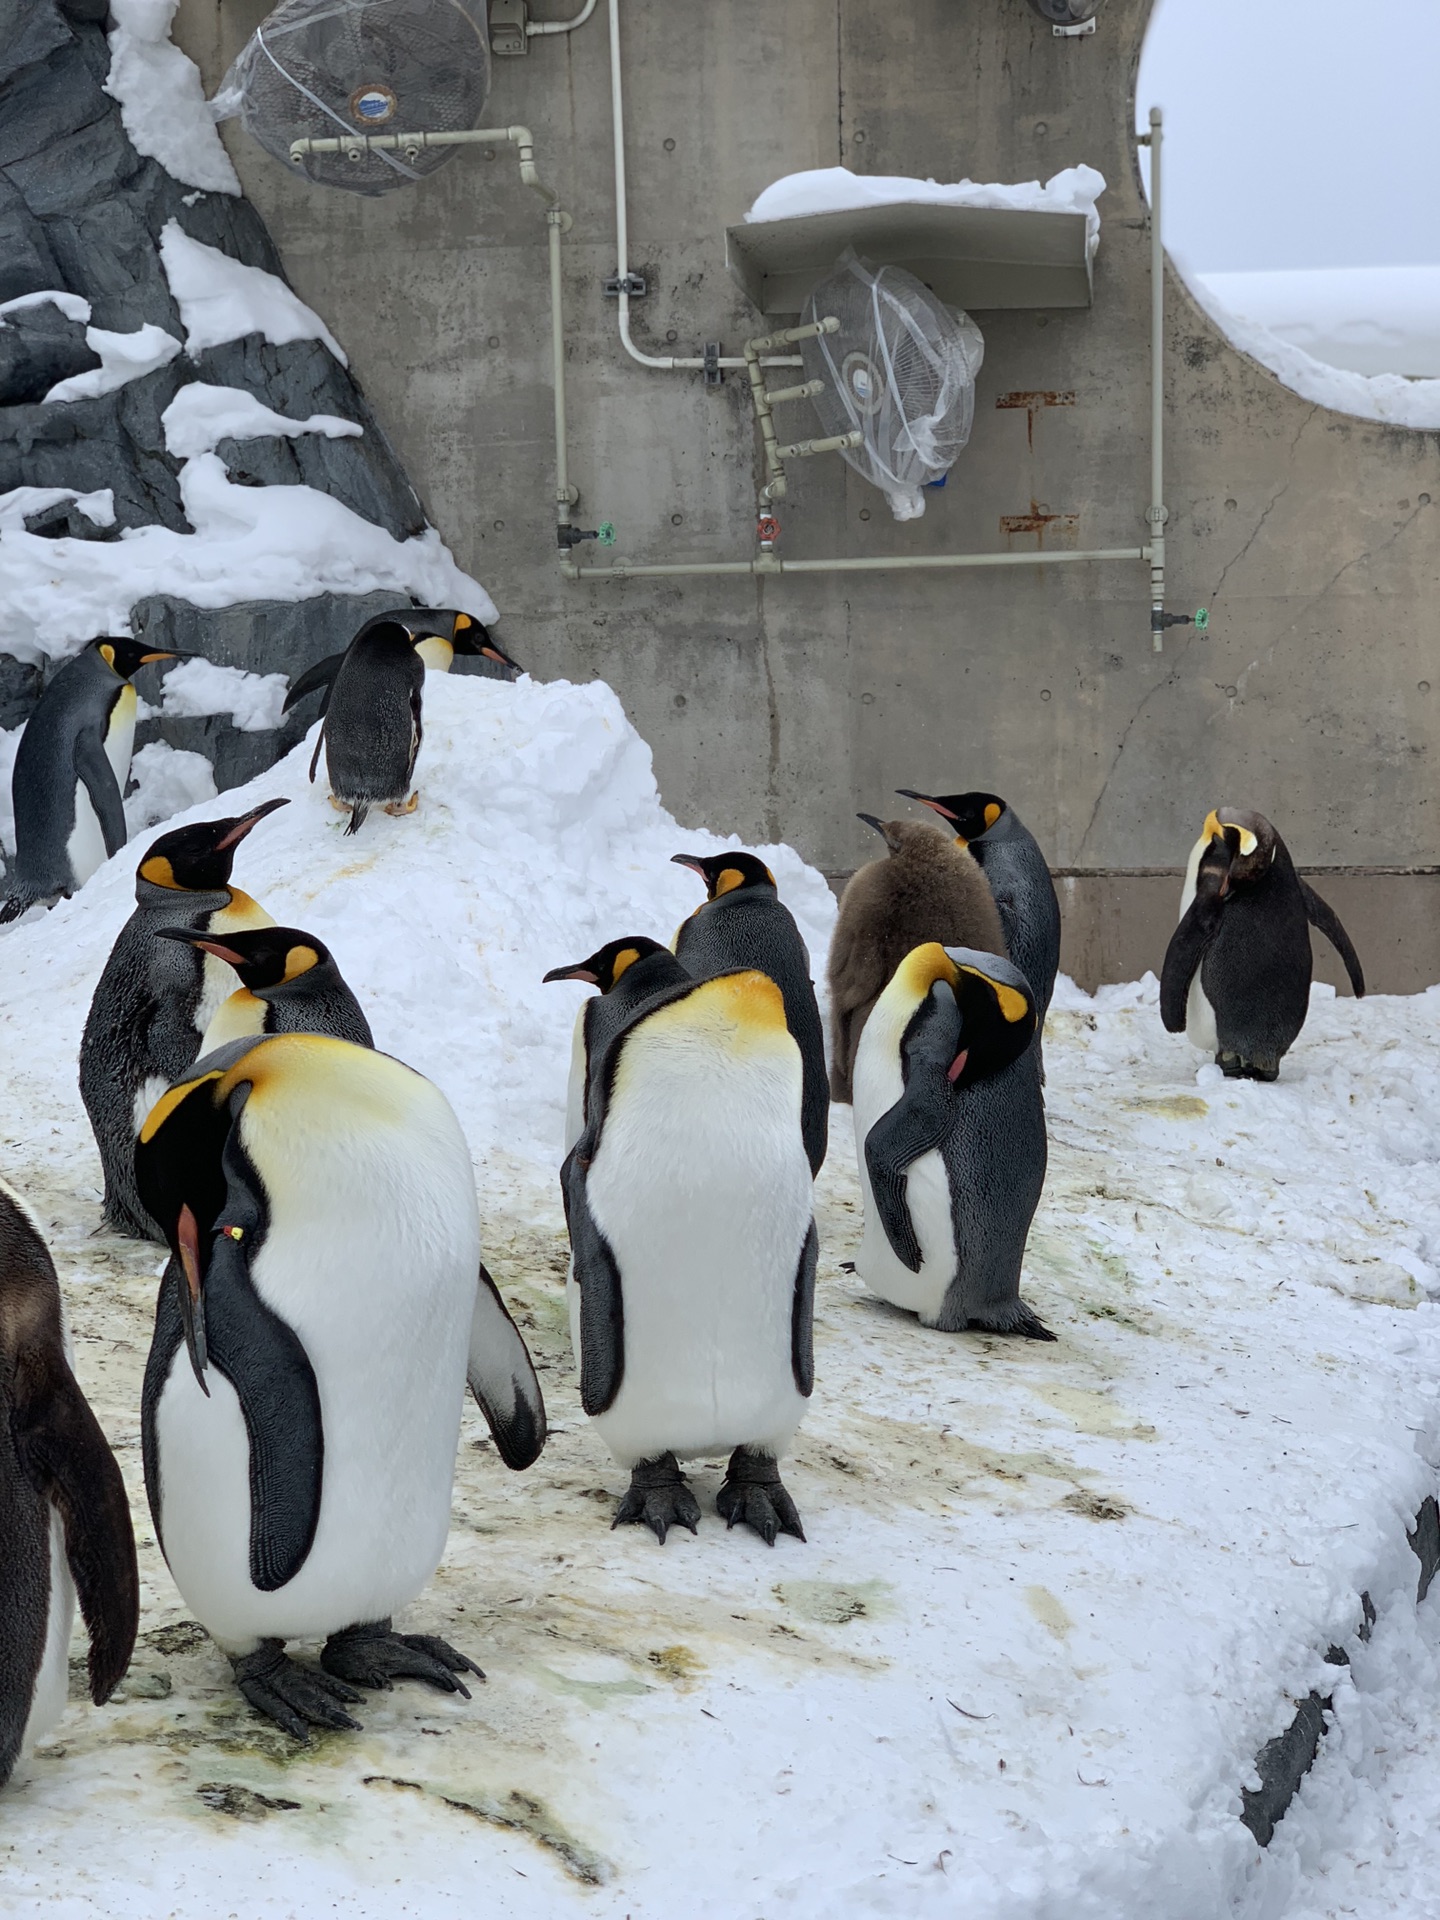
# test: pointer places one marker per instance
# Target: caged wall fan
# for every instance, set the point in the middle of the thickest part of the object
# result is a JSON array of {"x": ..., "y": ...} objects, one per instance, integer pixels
[
  {"x": 900, "y": 371},
  {"x": 320, "y": 69}
]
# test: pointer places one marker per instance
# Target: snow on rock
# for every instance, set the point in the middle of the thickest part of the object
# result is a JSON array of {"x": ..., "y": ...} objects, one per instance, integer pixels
[
  {"x": 168, "y": 780},
  {"x": 831, "y": 189},
  {"x": 162, "y": 102},
  {"x": 20, "y": 502},
  {"x": 197, "y": 687},
  {"x": 201, "y": 416},
  {"x": 222, "y": 299},
  {"x": 124, "y": 357},
  {"x": 72, "y": 305},
  {"x": 249, "y": 543}
]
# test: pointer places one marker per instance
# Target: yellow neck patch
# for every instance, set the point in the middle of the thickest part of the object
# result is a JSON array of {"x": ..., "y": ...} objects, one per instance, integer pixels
[
  {"x": 436, "y": 653},
  {"x": 1012, "y": 1003},
  {"x": 167, "y": 1103},
  {"x": 241, "y": 1017},
  {"x": 923, "y": 966},
  {"x": 242, "y": 914},
  {"x": 1214, "y": 829}
]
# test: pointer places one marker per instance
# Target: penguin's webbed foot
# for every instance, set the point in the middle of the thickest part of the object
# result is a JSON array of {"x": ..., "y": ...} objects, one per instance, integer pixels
[
  {"x": 1235, "y": 1066},
  {"x": 374, "y": 1655},
  {"x": 295, "y": 1698},
  {"x": 397, "y": 809},
  {"x": 340, "y": 806},
  {"x": 660, "y": 1497},
  {"x": 754, "y": 1493},
  {"x": 1013, "y": 1318}
]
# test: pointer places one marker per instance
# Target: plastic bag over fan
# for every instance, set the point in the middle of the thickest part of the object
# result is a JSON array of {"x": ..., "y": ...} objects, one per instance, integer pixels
[
  {"x": 901, "y": 369},
  {"x": 324, "y": 68}
]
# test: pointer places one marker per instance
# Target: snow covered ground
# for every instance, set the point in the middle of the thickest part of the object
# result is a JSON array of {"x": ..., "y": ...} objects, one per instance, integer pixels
[
  {"x": 1054, "y": 1598},
  {"x": 1367, "y": 319}
]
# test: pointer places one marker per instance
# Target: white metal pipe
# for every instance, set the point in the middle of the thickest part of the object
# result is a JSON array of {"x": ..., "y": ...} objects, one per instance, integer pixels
[
  {"x": 770, "y": 563},
  {"x": 533, "y": 27},
  {"x": 1159, "y": 513},
  {"x": 565, "y": 494}
]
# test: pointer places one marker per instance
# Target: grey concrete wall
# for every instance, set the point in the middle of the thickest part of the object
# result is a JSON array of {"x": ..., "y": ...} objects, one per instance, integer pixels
[{"x": 777, "y": 708}]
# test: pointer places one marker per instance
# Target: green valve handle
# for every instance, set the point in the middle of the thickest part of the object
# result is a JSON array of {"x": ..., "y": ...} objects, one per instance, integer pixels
[
  {"x": 605, "y": 537},
  {"x": 1202, "y": 619}
]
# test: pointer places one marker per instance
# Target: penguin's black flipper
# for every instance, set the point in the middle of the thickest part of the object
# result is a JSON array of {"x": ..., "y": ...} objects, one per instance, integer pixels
[
  {"x": 68, "y": 1461},
  {"x": 602, "y": 1308},
  {"x": 98, "y": 777},
  {"x": 919, "y": 1120},
  {"x": 1183, "y": 956},
  {"x": 802, "y": 1316},
  {"x": 502, "y": 1378},
  {"x": 1323, "y": 917},
  {"x": 321, "y": 675}
]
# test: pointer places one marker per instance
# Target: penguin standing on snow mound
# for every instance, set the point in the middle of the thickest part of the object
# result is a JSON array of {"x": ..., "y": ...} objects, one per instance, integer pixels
[
  {"x": 1010, "y": 858},
  {"x": 688, "y": 1199},
  {"x": 1237, "y": 971},
  {"x": 154, "y": 1001},
  {"x": 929, "y": 888},
  {"x": 627, "y": 972},
  {"x": 950, "y": 1137},
  {"x": 302, "y": 1398},
  {"x": 71, "y": 767},
  {"x": 371, "y": 721},
  {"x": 742, "y": 923},
  {"x": 64, "y": 1520},
  {"x": 288, "y": 984}
]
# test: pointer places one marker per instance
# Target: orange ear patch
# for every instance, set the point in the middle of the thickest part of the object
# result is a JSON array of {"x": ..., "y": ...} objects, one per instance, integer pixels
[
  {"x": 626, "y": 957},
  {"x": 727, "y": 880},
  {"x": 992, "y": 814}
]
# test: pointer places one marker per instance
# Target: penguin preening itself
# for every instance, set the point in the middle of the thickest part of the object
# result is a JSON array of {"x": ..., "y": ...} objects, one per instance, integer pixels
[
  {"x": 627, "y": 972},
  {"x": 1009, "y": 856},
  {"x": 289, "y": 983},
  {"x": 692, "y": 1289},
  {"x": 929, "y": 888},
  {"x": 1237, "y": 971},
  {"x": 950, "y": 1138},
  {"x": 743, "y": 923},
  {"x": 64, "y": 1519},
  {"x": 302, "y": 1398},
  {"x": 153, "y": 1000},
  {"x": 370, "y": 723},
  {"x": 71, "y": 766}
]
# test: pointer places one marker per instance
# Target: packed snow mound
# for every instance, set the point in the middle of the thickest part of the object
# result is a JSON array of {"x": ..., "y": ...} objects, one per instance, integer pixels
[
  {"x": 539, "y": 836},
  {"x": 1370, "y": 320},
  {"x": 832, "y": 189}
]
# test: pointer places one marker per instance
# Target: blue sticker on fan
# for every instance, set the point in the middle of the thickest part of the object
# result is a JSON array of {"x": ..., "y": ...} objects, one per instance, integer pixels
[{"x": 373, "y": 104}]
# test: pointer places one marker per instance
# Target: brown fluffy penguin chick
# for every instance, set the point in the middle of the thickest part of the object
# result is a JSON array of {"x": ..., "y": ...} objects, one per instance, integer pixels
[{"x": 928, "y": 887}]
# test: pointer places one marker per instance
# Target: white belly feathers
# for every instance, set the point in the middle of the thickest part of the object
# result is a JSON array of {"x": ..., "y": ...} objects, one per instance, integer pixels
[{"x": 1199, "y": 1014}]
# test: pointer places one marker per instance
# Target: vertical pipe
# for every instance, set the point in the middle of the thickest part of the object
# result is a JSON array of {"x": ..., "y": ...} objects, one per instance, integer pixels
[
  {"x": 564, "y": 492},
  {"x": 1159, "y": 513}
]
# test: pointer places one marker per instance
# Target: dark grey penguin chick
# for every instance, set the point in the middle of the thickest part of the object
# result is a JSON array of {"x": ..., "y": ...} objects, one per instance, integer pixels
[
  {"x": 929, "y": 888},
  {"x": 153, "y": 1001},
  {"x": 64, "y": 1518}
]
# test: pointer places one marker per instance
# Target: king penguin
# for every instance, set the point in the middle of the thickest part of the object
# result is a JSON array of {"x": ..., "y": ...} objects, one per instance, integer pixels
[
  {"x": 1009, "y": 856},
  {"x": 929, "y": 888},
  {"x": 439, "y": 633},
  {"x": 743, "y": 923},
  {"x": 371, "y": 725},
  {"x": 1237, "y": 971},
  {"x": 153, "y": 1001},
  {"x": 289, "y": 983},
  {"x": 73, "y": 761},
  {"x": 692, "y": 1289},
  {"x": 302, "y": 1398},
  {"x": 627, "y": 972},
  {"x": 64, "y": 1519},
  {"x": 950, "y": 1139}
]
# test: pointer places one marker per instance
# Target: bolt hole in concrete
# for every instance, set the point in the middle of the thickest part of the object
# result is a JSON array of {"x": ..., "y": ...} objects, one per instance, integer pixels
[{"x": 1303, "y": 216}]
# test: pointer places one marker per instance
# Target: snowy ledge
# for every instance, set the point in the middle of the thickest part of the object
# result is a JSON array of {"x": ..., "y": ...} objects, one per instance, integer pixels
[{"x": 1055, "y": 1599}]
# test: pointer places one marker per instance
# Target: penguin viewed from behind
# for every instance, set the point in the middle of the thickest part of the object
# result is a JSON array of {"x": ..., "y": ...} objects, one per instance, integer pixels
[
  {"x": 627, "y": 972},
  {"x": 153, "y": 1001},
  {"x": 929, "y": 888},
  {"x": 950, "y": 1137},
  {"x": 692, "y": 1289},
  {"x": 302, "y": 1398},
  {"x": 64, "y": 1519},
  {"x": 71, "y": 767},
  {"x": 371, "y": 721},
  {"x": 1237, "y": 971},
  {"x": 743, "y": 923},
  {"x": 1010, "y": 858},
  {"x": 288, "y": 984},
  {"x": 439, "y": 633}
]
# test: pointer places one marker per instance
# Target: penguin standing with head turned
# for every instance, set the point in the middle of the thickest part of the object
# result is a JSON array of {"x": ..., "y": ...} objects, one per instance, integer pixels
[
  {"x": 64, "y": 1519},
  {"x": 627, "y": 972},
  {"x": 950, "y": 1138},
  {"x": 688, "y": 1199},
  {"x": 743, "y": 923},
  {"x": 153, "y": 1000},
  {"x": 929, "y": 888},
  {"x": 289, "y": 983},
  {"x": 71, "y": 767},
  {"x": 370, "y": 724},
  {"x": 302, "y": 1398},
  {"x": 1237, "y": 971}
]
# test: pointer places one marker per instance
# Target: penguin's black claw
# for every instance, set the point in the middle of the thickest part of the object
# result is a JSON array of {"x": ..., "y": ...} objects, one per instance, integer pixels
[
  {"x": 659, "y": 1496},
  {"x": 754, "y": 1493},
  {"x": 1014, "y": 1319},
  {"x": 373, "y": 1655},
  {"x": 295, "y": 1698}
]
